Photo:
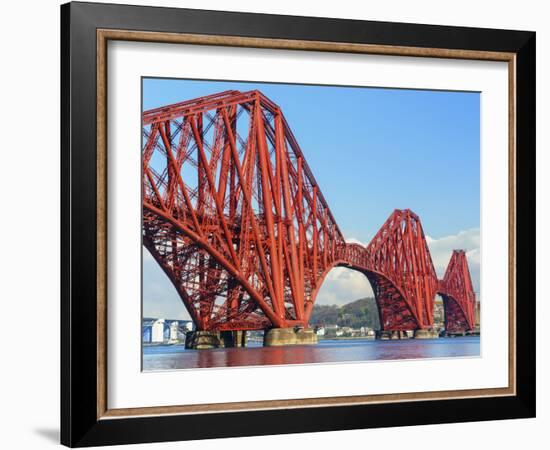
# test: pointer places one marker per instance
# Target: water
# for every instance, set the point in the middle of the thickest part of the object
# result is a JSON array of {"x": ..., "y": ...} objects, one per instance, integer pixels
[{"x": 173, "y": 357}]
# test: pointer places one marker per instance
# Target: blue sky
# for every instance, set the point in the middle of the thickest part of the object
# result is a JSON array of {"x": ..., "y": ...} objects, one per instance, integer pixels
[{"x": 371, "y": 150}]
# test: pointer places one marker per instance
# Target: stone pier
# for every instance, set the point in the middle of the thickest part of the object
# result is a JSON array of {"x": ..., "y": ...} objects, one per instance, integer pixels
[
  {"x": 383, "y": 335},
  {"x": 289, "y": 336},
  {"x": 199, "y": 340},
  {"x": 426, "y": 334},
  {"x": 386, "y": 335},
  {"x": 233, "y": 338}
]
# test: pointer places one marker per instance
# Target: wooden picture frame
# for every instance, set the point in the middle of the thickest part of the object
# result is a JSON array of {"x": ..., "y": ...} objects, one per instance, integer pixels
[{"x": 85, "y": 417}]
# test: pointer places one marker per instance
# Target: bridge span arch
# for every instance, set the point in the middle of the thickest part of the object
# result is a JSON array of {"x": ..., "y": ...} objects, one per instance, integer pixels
[
  {"x": 235, "y": 218},
  {"x": 394, "y": 312}
]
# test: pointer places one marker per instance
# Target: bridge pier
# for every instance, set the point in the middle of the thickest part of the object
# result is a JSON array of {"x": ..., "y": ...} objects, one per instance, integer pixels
[
  {"x": 383, "y": 335},
  {"x": 386, "y": 335},
  {"x": 201, "y": 339},
  {"x": 425, "y": 334},
  {"x": 233, "y": 338},
  {"x": 276, "y": 337}
]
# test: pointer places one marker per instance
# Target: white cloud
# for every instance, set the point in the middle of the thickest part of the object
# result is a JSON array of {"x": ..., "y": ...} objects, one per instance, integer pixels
[
  {"x": 342, "y": 286},
  {"x": 353, "y": 240}
]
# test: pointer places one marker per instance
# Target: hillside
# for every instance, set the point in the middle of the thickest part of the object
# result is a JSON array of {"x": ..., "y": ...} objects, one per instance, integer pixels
[{"x": 360, "y": 313}]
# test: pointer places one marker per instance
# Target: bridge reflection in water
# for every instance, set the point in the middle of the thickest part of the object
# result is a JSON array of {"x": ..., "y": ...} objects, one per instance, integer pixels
[{"x": 177, "y": 357}]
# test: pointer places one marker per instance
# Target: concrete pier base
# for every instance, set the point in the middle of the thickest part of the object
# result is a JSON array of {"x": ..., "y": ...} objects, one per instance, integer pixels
[
  {"x": 289, "y": 336},
  {"x": 386, "y": 335},
  {"x": 306, "y": 336},
  {"x": 383, "y": 335},
  {"x": 426, "y": 334},
  {"x": 233, "y": 338},
  {"x": 200, "y": 339}
]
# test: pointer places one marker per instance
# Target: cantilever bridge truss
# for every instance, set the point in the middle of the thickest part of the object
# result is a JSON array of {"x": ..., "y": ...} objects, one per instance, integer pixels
[{"x": 233, "y": 215}]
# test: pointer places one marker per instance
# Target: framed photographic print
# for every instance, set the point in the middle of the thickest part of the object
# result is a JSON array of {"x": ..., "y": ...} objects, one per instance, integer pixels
[{"x": 276, "y": 224}]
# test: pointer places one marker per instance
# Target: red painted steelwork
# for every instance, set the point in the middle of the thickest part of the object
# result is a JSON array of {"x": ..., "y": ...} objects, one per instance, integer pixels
[
  {"x": 398, "y": 265},
  {"x": 233, "y": 215},
  {"x": 458, "y": 294}
]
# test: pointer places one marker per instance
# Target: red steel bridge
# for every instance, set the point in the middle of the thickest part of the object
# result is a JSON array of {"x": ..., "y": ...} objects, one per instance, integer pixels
[{"x": 233, "y": 215}]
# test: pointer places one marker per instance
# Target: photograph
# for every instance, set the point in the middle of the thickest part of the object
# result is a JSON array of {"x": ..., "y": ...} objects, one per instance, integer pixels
[{"x": 307, "y": 224}]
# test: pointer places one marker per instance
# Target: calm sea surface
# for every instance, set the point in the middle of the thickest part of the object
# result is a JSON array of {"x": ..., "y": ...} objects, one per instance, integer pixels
[{"x": 170, "y": 357}]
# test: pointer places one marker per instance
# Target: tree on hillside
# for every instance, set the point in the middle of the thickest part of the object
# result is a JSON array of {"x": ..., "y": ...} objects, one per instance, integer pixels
[{"x": 357, "y": 314}]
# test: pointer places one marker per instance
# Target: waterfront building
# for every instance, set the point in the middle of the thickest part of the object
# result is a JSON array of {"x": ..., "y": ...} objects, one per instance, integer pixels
[
  {"x": 152, "y": 330},
  {"x": 174, "y": 331},
  {"x": 162, "y": 331},
  {"x": 157, "y": 333}
]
